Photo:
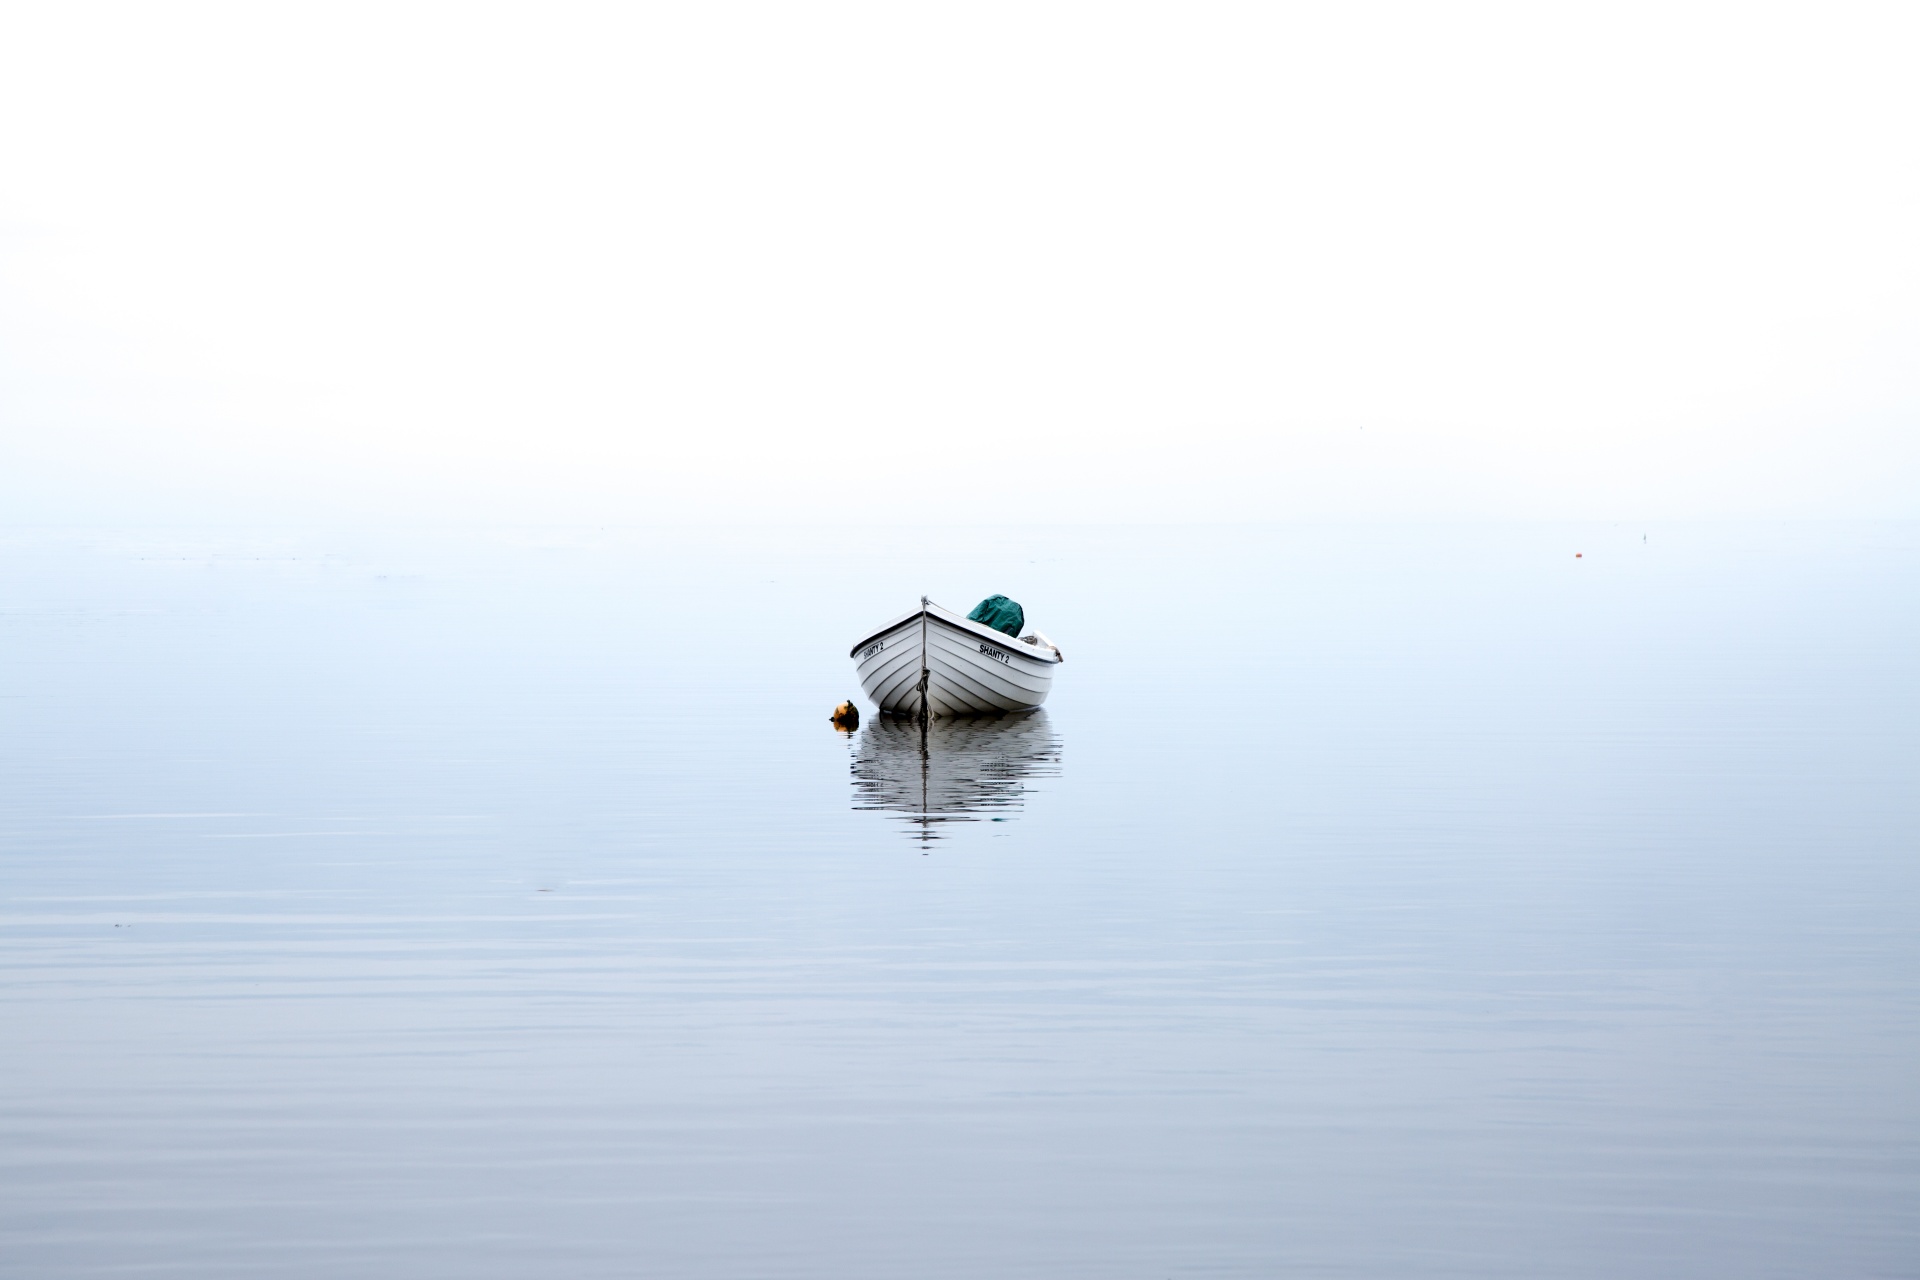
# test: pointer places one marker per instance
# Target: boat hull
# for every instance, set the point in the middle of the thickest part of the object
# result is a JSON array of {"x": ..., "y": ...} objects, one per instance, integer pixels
[{"x": 971, "y": 669}]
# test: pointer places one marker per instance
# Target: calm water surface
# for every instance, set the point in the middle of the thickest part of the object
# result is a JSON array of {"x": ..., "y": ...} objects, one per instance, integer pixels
[{"x": 1367, "y": 902}]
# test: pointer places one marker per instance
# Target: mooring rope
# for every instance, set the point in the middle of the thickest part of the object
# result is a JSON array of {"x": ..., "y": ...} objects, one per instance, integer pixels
[{"x": 924, "y": 673}]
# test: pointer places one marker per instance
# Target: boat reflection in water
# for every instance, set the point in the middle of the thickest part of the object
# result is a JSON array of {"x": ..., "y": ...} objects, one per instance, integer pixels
[{"x": 956, "y": 769}]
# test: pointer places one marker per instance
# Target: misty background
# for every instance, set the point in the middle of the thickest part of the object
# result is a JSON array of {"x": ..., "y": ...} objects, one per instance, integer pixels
[{"x": 1074, "y": 262}]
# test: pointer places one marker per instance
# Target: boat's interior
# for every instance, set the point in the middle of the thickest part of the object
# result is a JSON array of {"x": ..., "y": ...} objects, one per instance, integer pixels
[{"x": 1039, "y": 641}]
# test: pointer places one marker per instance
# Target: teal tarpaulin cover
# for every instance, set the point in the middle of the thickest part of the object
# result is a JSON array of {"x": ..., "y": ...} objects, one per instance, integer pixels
[{"x": 999, "y": 613}]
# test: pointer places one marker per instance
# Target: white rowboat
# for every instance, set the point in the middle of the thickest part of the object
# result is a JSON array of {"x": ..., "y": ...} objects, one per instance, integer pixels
[{"x": 936, "y": 659}]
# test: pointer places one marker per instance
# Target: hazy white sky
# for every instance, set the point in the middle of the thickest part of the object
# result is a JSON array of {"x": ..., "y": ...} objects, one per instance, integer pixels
[{"x": 1044, "y": 261}]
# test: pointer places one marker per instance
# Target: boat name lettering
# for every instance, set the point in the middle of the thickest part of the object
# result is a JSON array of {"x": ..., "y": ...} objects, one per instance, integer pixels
[
  {"x": 995, "y": 654},
  {"x": 873, "y": 648}
]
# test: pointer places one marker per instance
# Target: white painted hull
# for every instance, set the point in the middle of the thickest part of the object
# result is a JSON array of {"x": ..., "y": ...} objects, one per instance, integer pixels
[{"x": 971, "y": 669}]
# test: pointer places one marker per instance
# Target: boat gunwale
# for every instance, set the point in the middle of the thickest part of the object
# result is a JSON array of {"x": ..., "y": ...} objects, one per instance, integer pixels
[{"x": 967, "y": 626}]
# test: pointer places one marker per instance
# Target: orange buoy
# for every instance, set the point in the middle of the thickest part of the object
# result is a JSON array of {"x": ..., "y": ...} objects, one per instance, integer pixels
[{"x": 846, "y": 716}]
